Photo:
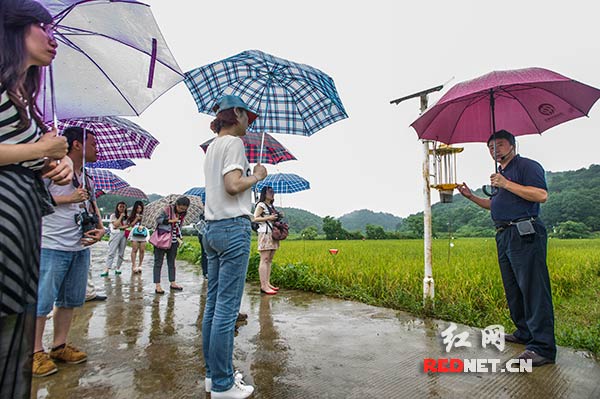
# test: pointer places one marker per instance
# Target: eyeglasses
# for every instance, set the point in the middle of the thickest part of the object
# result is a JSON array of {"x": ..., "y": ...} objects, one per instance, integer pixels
[{"x": 48, "y": 28}]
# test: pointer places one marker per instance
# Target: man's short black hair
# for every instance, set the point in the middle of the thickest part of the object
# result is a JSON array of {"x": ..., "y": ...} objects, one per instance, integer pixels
[
  {"x": 74, "y": 133},
  {"x": 503, "y": 134}
]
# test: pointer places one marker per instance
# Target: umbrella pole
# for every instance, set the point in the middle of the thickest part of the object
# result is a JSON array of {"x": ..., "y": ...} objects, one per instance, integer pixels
[
  {"x": 264, "y": 121},
  {"x": 262, "y": 147},
  {"x": 53, "y": 97},
  {"x": 83, "y": 161},
  {"x": 494, "y": 190},
  {"x": 493, "y": 109}
]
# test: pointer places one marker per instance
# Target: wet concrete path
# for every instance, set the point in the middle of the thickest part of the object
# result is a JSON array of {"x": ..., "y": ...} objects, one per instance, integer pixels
[{"x": 294, "y": 345}]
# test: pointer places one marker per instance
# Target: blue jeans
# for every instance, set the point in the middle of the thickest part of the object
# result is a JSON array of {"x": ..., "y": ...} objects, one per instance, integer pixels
[
  {"x": 227, "y": 245},
  {"x": 63, "y": 279}
]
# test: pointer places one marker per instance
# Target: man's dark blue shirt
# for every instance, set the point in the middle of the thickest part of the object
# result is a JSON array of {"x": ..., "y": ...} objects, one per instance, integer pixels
[{"x": 507, "y": 206}]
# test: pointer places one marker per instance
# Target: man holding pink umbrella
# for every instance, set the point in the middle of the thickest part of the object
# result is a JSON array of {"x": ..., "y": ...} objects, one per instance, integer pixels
[{"x": 521, "y": 240}]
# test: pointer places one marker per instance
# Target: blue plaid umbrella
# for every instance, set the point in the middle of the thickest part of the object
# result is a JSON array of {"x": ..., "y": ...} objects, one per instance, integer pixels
[
  {"x": 117, "y": 164},
  {"x": 284, "y": 183},
  {"x": 289, "y": 97},
  {"x": 198, "y": 192},
  {"x": 105, "y": 180}
]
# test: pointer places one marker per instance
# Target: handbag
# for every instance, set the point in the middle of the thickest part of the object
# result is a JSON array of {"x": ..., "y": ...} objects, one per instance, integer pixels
[
  {"x": 279, "y": 231},
  {"x": 162, "y": 239},
  {"x": 139, "y": 231}
]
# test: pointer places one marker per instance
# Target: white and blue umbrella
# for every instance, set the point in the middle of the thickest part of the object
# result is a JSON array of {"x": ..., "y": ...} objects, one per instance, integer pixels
[
  {"x": 289, "y": 97},
  {"x": 284, "y": 183},
  {"x": 197, "y": 192},
  {"x": 116, "y": 164}
]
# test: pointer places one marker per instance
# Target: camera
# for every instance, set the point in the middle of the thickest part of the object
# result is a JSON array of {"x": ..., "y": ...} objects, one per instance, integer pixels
[
  {"x": 280, "y": 215},
  {"x": 86, "y": 221}
]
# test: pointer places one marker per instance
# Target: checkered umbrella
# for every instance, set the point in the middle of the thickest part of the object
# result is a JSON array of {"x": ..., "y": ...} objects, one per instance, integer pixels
[
  {"x": 153, "y": 209},
  {"x": 117, "y": 164},
  {"x": 274, "y": 152},
  {"x": 284, "y": 183},
  {"x": 131, "y": 192},
  {"x": 105, "y": 180},
  {"x": 197, "y": 192},
  {"x": 289, "y": 98},
  {"x": 116, "y": 138}
]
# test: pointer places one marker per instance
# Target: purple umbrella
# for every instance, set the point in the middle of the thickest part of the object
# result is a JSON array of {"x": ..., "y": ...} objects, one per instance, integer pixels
[
  {"x": 116, "y": 138},
  {"x": 273, "y": 152},
  {"x": 522, "y": 101}
]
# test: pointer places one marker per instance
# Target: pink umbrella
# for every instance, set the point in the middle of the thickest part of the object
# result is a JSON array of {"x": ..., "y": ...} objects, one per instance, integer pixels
[
  {"x": 522, "y": 101},
  {"x": 273, "y": 151}
]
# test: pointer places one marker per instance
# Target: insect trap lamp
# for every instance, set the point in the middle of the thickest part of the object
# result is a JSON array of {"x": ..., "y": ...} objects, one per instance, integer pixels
[{"x": 444, "y": 170}]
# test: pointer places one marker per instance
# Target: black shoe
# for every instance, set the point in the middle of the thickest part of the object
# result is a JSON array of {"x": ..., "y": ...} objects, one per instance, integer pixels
[
  {"x": 97, "y": 298},
  {"x": 536, "y": 360},
  {"x": 513, "y": 339}
]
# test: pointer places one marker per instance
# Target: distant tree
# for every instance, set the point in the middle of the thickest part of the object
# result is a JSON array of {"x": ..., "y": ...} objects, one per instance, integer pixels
[
  {"x": 354, "y": 235},
  {"x": 570, "y": 229},
  {"x": 309, "y": 233},
  {"x": 375, "y": 232},
  {"x": 333, "y": 229},
  {"x": 414, "y": 225}
]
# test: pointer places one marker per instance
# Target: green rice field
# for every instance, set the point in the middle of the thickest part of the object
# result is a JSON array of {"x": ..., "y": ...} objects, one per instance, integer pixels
[{"x": 468, "y": 287}]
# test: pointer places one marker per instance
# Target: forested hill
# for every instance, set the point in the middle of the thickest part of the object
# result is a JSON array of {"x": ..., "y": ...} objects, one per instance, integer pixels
[
  {"x": 358, "y": 220},
  {"x": 574, "y": 199},
  {"x": 574, "y": 196}
]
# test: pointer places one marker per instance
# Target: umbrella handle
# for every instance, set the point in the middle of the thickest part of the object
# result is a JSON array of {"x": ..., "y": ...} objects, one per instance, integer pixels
[{"x": 492, "y": 192}]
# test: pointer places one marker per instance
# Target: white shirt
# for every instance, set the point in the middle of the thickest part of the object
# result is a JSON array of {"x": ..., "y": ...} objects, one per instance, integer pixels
[
  {"x": 59, "y": 230},
  {"x": 224, "y": 155},
  {"x": 113, "y": 229},
  {"x": 262, "y": 226}
]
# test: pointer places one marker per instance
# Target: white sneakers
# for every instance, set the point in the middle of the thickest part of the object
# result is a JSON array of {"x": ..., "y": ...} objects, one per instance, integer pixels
[
  {"x": 237, "y": 376},
  {"x": 239, "y": 390}
]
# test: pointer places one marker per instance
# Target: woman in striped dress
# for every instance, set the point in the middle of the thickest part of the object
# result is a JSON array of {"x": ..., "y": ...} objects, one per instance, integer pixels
[{"x": 26, "y": 155}]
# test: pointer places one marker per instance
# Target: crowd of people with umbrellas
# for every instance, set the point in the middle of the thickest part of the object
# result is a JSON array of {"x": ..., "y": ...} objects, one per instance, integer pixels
[{"x": 63, "y": 98}]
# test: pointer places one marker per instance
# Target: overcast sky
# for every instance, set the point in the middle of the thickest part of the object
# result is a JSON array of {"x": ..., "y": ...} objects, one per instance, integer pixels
[{"x": 375, "y": 51}]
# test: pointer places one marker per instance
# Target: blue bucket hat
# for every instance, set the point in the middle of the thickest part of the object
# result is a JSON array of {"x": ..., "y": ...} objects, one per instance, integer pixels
[{"x": 230, "y": 101}]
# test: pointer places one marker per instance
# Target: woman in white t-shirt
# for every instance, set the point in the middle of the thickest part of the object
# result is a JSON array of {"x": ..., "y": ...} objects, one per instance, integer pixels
[
  {"x": 117, "y": 241},
  {"x": 226, "y": 240},
  {"x": 138, "y": 235},
  {"x": 265, "y": 215}
]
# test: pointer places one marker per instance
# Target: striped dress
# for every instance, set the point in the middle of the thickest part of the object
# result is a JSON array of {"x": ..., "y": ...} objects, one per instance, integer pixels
[{"x": 22, "y": 204}]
